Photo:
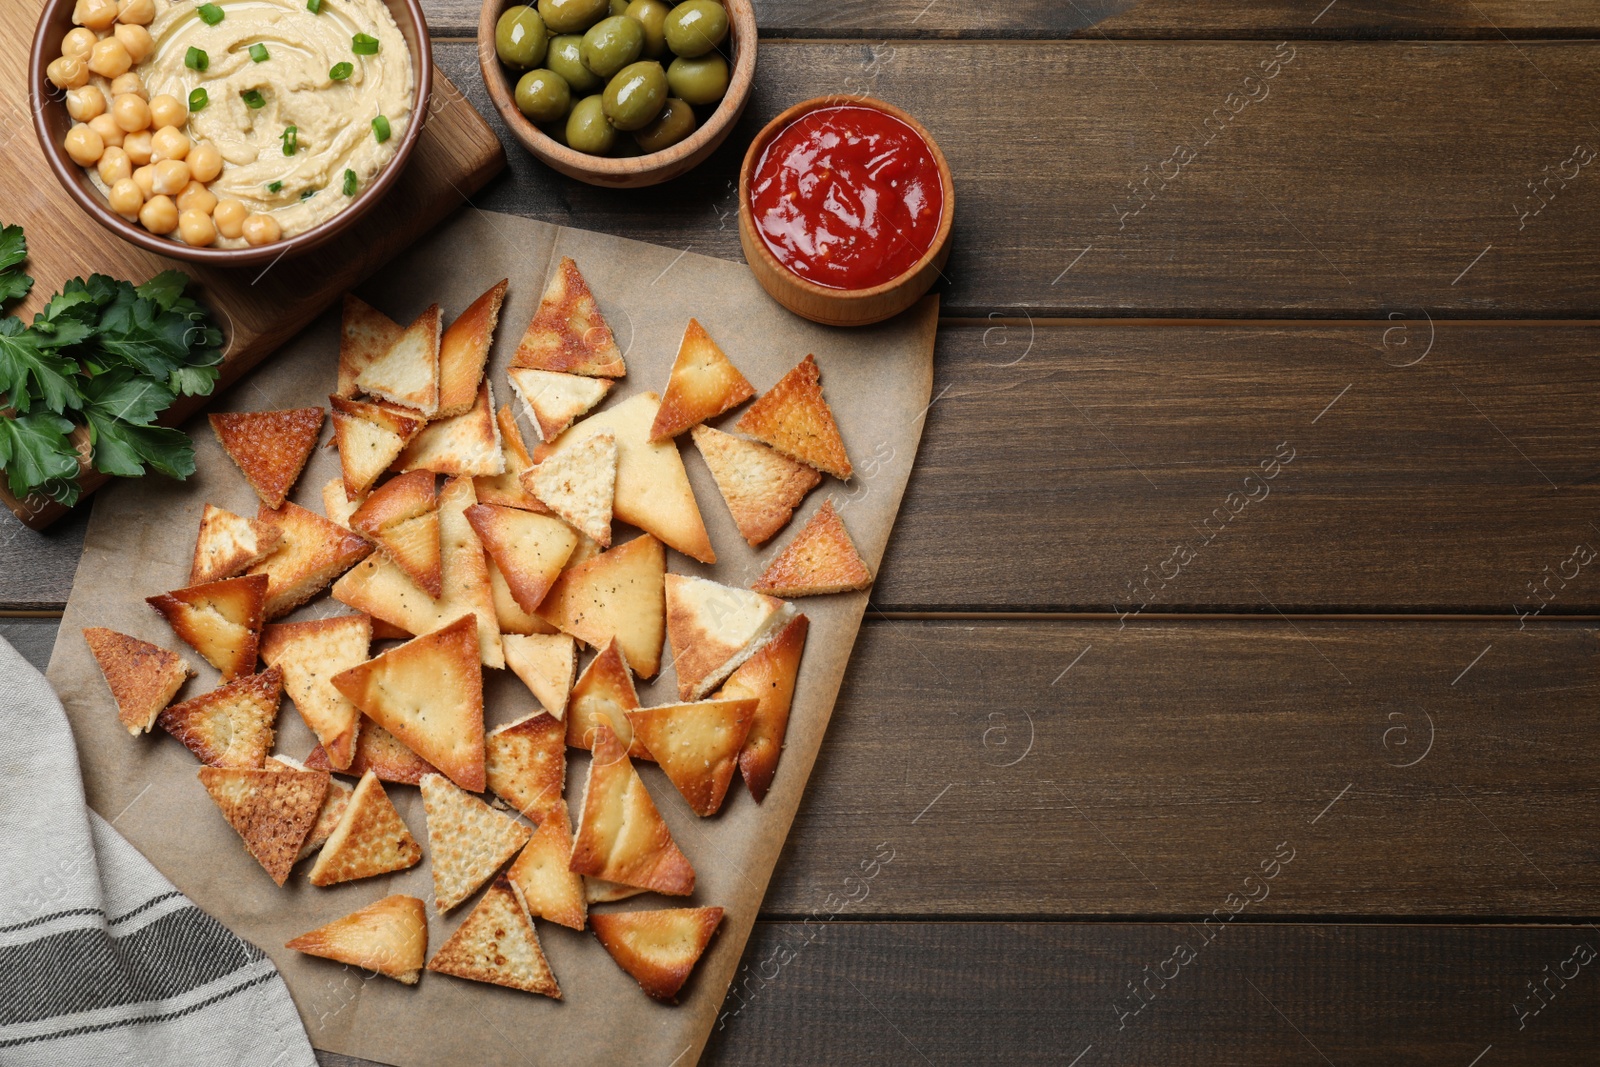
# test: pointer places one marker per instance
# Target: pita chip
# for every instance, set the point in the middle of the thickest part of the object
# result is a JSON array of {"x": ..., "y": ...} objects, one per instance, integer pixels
[
  {"x": 402, "y": 518},
  {"x": 505, "y": 490},
  {"x": 370, "y": 839},
  {"x": 513, "y": 620},
  {"x": 496, "y": 943},
  {"x": 697, "y": 745},
  {"x": 553, "y": 400},
  {"x": 408, "y": 372},
  {"x": 227, "y": 544},
  {"x": 428, "y": 692},
  {"x": 272, "y": 811},
  {"x": 370, "y": 438},
  {"x": 333, "y": 804},
  {"x": 142, "y": 677},
  {"x": 309, "y": 654},
  {"x": 653, "y": 491},
  {"x": 703, "y": 384},
  {"x": 365, "y": 333},
  {"x": 588, "y": 548},
  {"x": 220, "y": 620},
  {"x": 713, "y": 628},
  {"x": 337, "y": 504},
  {"x": 270, "y": 447},
  {"x": 794, "y": 418},
  {"x": 600, "y": 891},
  {"x": 525, "y": 763},
  {"x": 658, "y": 947},
  {"x": 231, "y": 726},
  {"x": 568, "y": 333},
  {"x": 388, "y": 631},
  {"x": 389, "y": 937},
  {"x": 579, "y": 484},
  {"x": 378, "y": 751},
  {"x": 604, "y": 693},
  {"x": 549, "y": 890},
  {"x": 760, "y": 485},
  {"x": 618, "y": 594},
  {"x": 621, "y": 837},
  {"x": 468, "y": 443},
  {"x": 820, "y": 559},
  {"x": 468, "y": 841},
  {"x": 769, "y": 677},
  {"x": 464, "y": 351},
  {"x": 528, "y": 549},
  {"x": 547, "y": 665},
  {"x": 314, "y": 551}
]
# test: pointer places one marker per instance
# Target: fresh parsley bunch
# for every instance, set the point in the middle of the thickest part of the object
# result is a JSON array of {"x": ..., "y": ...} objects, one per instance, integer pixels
[{"x": 105, "y": 354}]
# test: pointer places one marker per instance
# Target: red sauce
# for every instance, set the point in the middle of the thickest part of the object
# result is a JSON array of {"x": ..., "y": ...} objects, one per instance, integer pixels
[{"x": 847, "y": 197}]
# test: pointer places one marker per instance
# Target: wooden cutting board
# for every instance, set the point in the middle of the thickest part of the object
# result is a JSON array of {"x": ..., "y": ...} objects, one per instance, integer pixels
[{"x": 258, "y": 308}]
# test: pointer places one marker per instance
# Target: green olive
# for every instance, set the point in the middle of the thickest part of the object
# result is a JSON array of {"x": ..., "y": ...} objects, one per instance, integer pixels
[
  {"x": 543, "y": 96},
  {"x": 636, "y": 95},
  {"x": 612, "y": 44},
  {"x": 573, "y": 16},
  {"x": 619, "y": 7},
  {"x": 566, "y": 59},
  {"x": 520, "y": 38},
  {"x": 696, "y": 27},
  {"x": 652, "y": 15},
  {"x": 675, "y": 122},
  {"x": 700, "y": 81},
  {"x": 587, "y": 128}
]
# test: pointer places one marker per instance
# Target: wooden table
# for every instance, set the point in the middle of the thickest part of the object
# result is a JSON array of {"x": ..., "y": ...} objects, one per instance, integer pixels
[{"x": 1231, "y": 690}]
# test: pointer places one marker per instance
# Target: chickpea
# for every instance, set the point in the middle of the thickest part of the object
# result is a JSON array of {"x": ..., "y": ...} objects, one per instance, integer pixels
[
  {"x": 136, "y": 12},
  {"x": 168, "y": 142},
  {"x": 114, "y": 165},
  {"x": 78, "y": 43},
  {"x": 196, "y": 228},
  {"x": 84, "y": 145},
  {"x": 137, "y": 145},
  {"x": 126, "y": 198},
  {"x": 196, "y": 197},
  {"x": 171, "y": 176},
  {"x": 145, "y": 178},
  {"x": 95, "y": 14},
  {"x": 109, "y": 58},
  {"x": 229, "y": 216},
  {"x": 137, "y": 40},
  {"x": 159, "y": 215},
  {"x": 108, "y": 130},
  {"x": 167, "y": 111},
  {"x": 128, "y": 83},
  {"x": 86, "y": 103},
  {"x": 68, "y": 72},
  {"x": 131, "y": 112},
  {"x": 261, "y": 230},
  {"x": 205, "y": 161}
]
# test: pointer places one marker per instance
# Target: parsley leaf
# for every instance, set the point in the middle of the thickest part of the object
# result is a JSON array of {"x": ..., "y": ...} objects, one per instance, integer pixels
[
  {"x": 37, "y": 454},
  {"x": 14, "y": 284},
  {"x": 31, "y": 372},
  {"x": 123, "y": 450}
]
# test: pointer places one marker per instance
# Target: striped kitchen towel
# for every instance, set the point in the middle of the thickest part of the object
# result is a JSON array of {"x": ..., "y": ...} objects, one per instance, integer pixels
[{"x": 102, "y": 961}]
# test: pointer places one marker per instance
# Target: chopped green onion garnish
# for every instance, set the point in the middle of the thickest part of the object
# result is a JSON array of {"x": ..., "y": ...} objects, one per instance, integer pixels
[
  {"x": 380, "y": 129},
  {"x": 196, "y": 59},
  {"x": 198, "y": 99},
  {"x": 258, "y": 52},
  {"x": 340, "y": 71},
  {"x": 313, "y": 6},
  {"x": 364, "y": 45},
  {"x": 254, "y": 99},
  {"x": 274, "y": 187},
  {"x": 210, "y": 14},
  {"x": 291, "y": 139},
  {"x": 349, "y": 183},
  {"x": 308, "y": 194}
]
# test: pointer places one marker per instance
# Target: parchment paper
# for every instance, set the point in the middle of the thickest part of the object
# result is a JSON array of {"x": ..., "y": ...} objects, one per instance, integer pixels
[{"x": 141, "y": 538}]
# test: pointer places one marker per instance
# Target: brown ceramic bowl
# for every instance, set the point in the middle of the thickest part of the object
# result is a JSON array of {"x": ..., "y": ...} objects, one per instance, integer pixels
[
  {"x": 624, "y": 172},
  {"x": 51, "y": 122}
]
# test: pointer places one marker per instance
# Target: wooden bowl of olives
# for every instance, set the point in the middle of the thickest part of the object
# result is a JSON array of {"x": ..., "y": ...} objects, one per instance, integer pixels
[{"x": 619, "y": 93}]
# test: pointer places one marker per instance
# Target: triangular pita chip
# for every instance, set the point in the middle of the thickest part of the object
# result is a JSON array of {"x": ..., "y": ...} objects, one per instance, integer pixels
[
  {"x": 467, "y": 840},
  {"x": 273, "y": 811},
  {"x": 600, "y": 891},
  {"x": 388, "y": 631},
  {"x": 769, "y": 677},
  {"x": 402, "y": 517},
  {"x": 370, "y": 839},
  {"x": 313, "y": 553},
  {"x": 549, "y": 890},
  {"x": 505, "y": 490},
  {"x": 820, "y": 559},
  {"x": 496, "y": 943},
  {"x": 333, "y": 804},
  {"x": 658, "y": 947},
  {"x": 703, "y": 385},
  {"x": 378, "y": 751},
  {"x": 760, "y": 485},
  {"x": 309, "y": 654},
  {"x": 547, "y": 665},
  {"x": 227, "y": 544},
  {"x": 220, "y": 620},
  {"x": 513, "y": 620},
  {"x": 468, "y": 443},
  {"x": 553, "y": 400},
  {"x": 617, "y": 594},
  {"x": 336, "y": 504},
  {"x": 370, "y": 438},
  {"x": 464, "y": 349},
  {"x": 621, "y": 836},
  {"x": 231, "y": 726},
  {"x": 588, "y": 548},
  {"x": 697, "y": 745},
  {"x": 408, "y": 373},
  {"x": 713, "y": 628},
  {"x": 143, "y": 677},
  {"x": 794, "y": 418},
  {"x": 653, "y": 491},
  {"x": 528, "y": 549},
  {"x": 525, "y": 763},
  {"x": 365, "y": 333},
  {"x": 568, "y": 333},
  {"x": 428, "y": 693},
  {"x": 603, "y": 693},
  {"x": 270, "y": 447},
  {"x": 579, "y": 484},
  {"x": 389, "y": 937}
]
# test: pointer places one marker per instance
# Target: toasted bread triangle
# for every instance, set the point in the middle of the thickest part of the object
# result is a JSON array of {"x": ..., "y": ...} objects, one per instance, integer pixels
[
  {"x": 314, "y": 552},
  {"x": 697, "y": 745},
  {"x": 468, "y": 841},
  {"x": 429, "y": 693},
  {"x": 402, "y": 517},
  {"x": 820, "y": 559},
  {"x": 760, "y": 485},
  {"x": 365, "y": 333},
  {"x": 549, "y": 889},
  {"x": 794, "y": 418},
  {"x": 568, "y": 333},
  {"x": 618, "y": 594},
  {"x": 600, "y": 891},
  {"x": 713, "y": 628},
  {"x": 220, "y": 620},
  {"x": 529, "y": 549},
  {"x": 464, "y": 351},
  {"x": 547, "y": 665},
  {"x": 389, "y": 937},
  {"x": 703, "y": 384},
  {"x": 621, "y": 837},
  {"x": 231, "y": 726},
  {"x": 333, "y": 804},
  {"x": 370, "y": 438},
  {"x": 467, "y": 444},
  {"x": 505, "y": 490},
  {"x": 513, "y": 620},
  {"x": 270, "y": 447},
  {"x": 378, "y": 751},
  {"x": 271, "y": 810},
  {"x": 553, "y": 400},
  {"x": 309, "y": 654},
  {"x": 400, "y": 498},
  {"x": 604, "y": 693},
  {"x": 227, "y": 544},
  {"x": 371, "y": 839},
  {"x": 768, "y": 676},
  {"x": 408, "y": 373},
  {"x": 525, "y": 763},
  {"x": 496, "y": 943},
  {"x": 142, "y": 677},
  {"x": 579, "y": 484},
  {"x": 336, "y": 505},
  {"x": 658, "y": 947}
]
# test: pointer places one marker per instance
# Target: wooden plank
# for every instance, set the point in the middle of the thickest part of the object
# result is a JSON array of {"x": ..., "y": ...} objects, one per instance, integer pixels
[
  {"x": 1305, "y": 203},
  {"x": 36, "y": 567},
  {"x": 33, "y": 638}
]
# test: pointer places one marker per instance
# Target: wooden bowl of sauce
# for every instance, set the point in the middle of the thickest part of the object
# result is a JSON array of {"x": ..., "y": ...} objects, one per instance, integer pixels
[{"x": 845, "y": 209}]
